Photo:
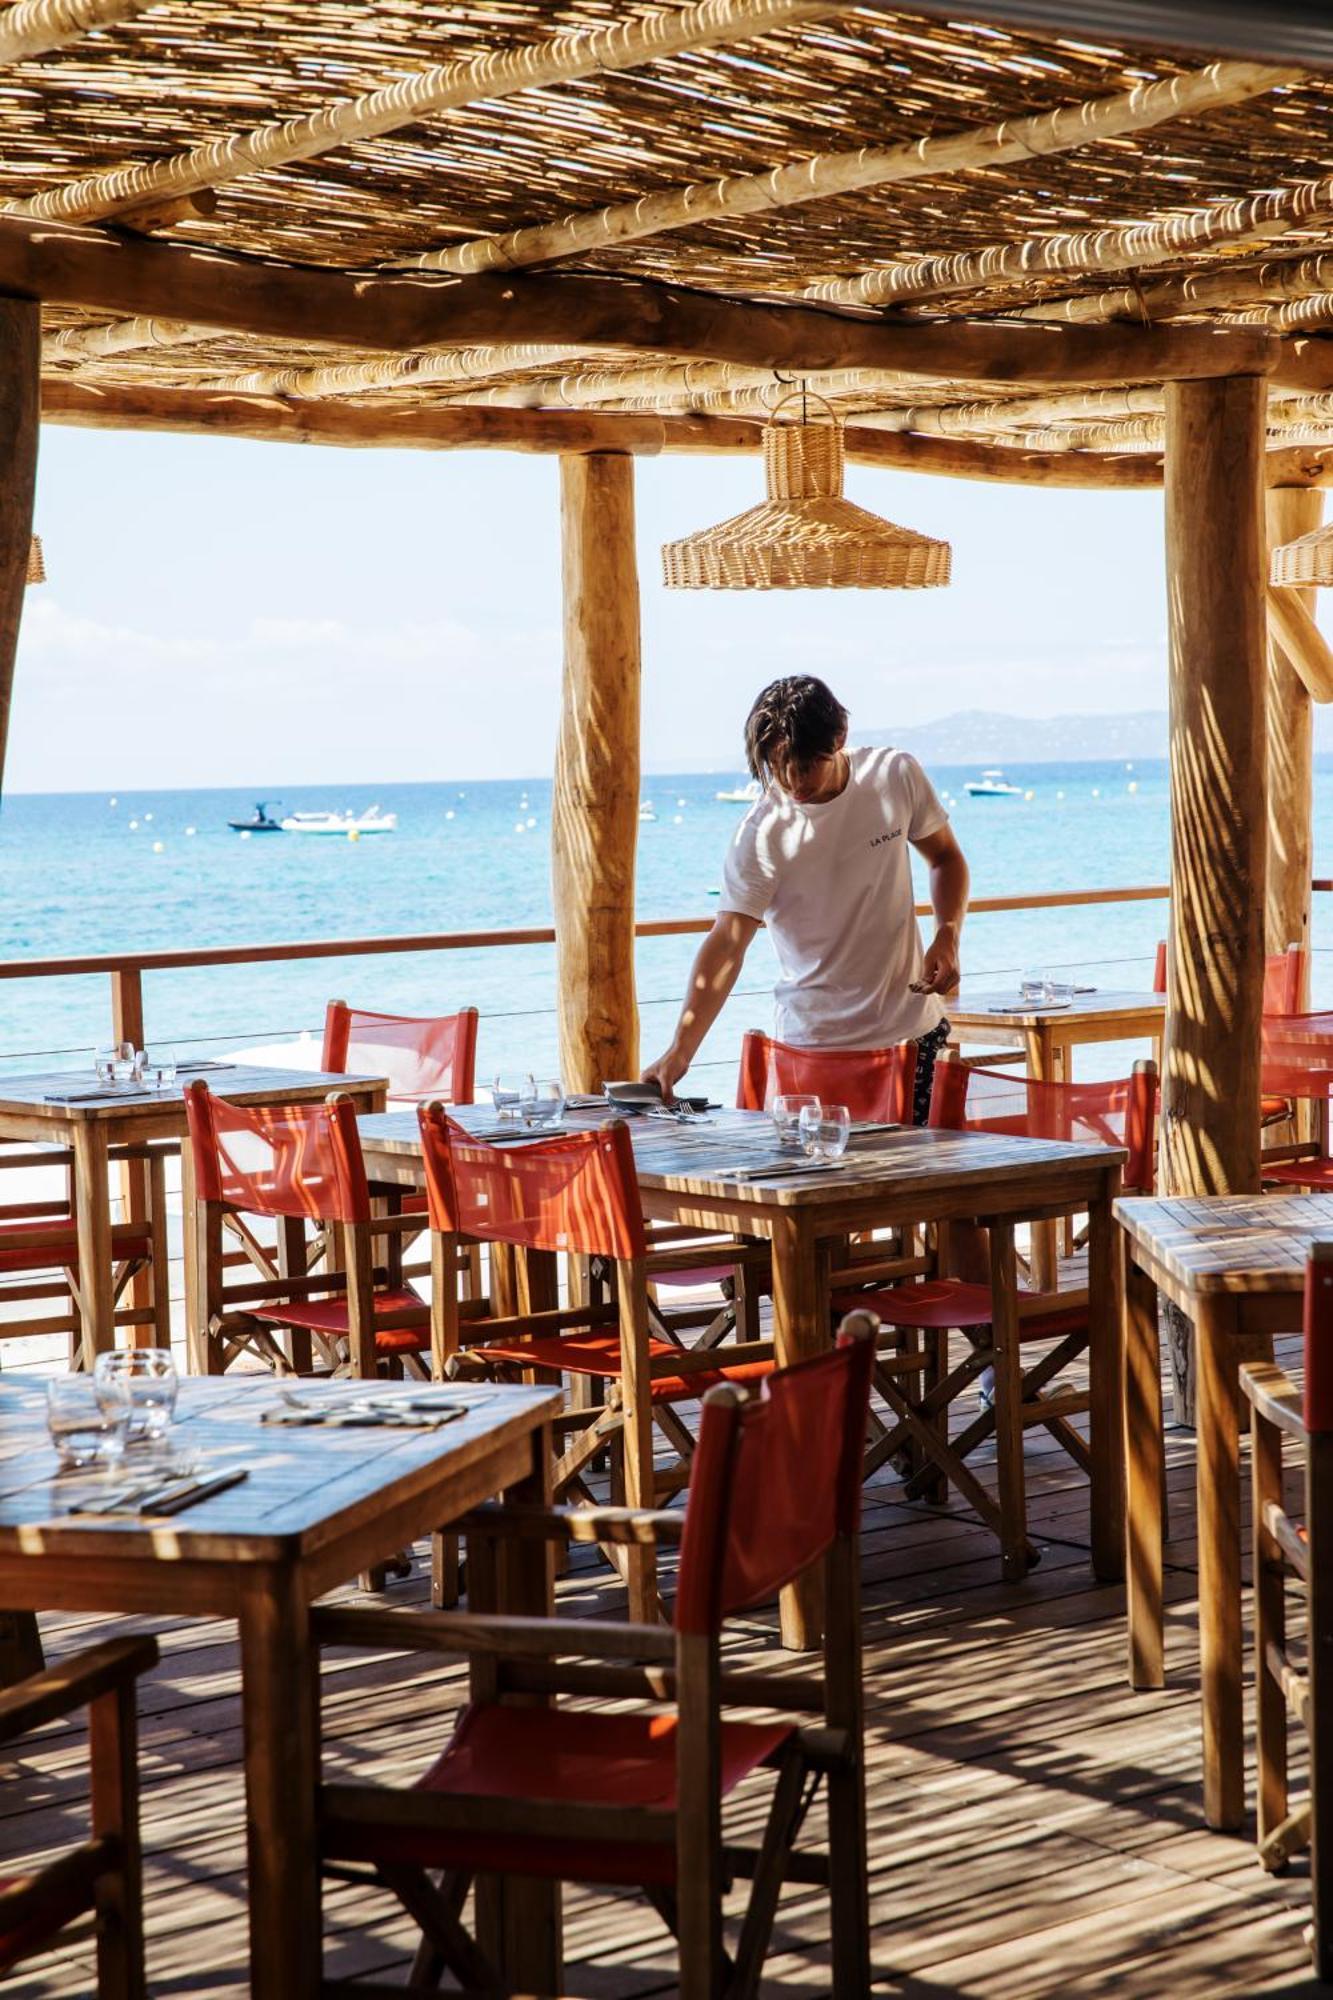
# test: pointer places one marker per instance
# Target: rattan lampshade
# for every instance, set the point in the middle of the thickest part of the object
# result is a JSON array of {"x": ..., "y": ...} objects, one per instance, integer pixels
[
  {"x": 1306, "y": 561},
  {"x": 36, "y": 564},
  {"x": 805, "y": 536}
]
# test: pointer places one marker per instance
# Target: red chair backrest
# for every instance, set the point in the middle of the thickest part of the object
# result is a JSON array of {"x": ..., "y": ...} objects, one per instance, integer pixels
[
  {"x": 774, "y": 1479},
  {"x": 872, "y": 1083},
  {"x": 1319, "y": 1338},
  {"x": 422, "y": 1057},
  {"x": 1297, "y": 1055},
  {"x": 576, "y": 1192},
  {"x": 1122, "y": 1113},
  {"x": 278, "y": 1159},
  {"x": 1284, "y": 972}
]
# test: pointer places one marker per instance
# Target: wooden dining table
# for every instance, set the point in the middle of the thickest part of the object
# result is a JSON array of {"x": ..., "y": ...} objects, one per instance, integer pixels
[
  {"x": 318, "y": 1505},
  {"x": 1234, "y": 1265},
  {"x": 688, "y": 1176},
  {"x": 67, "y": 1109}
]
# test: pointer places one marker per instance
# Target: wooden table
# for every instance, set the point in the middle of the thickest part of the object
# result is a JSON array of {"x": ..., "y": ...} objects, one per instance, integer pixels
[
  {"x": 319, "y": 1506},
  {"x": 1047, "y": 1036},
  {"x": 1235, "y": 1266},
  {"x": 889, "y": 1179},
  {"x": 135, "y": 1118}
]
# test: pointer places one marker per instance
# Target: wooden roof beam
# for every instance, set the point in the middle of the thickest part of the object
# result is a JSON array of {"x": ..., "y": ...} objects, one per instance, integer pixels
[
  {"x": 829, "y": 174},
  {"x": 447, "y": 87},
  {"x": 33, "y": 27},
  {"x": 1280, "y": 279},
  {"x": 399, "y": 313}
]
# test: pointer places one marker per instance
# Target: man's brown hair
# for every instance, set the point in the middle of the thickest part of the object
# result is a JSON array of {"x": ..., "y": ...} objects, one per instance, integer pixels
[{"x": 793, "y": 721}]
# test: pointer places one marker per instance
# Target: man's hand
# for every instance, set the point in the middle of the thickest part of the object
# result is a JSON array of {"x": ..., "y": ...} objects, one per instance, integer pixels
[
  {"x": 939, "y": 968},
  {"x": 667, "y": 1070}
]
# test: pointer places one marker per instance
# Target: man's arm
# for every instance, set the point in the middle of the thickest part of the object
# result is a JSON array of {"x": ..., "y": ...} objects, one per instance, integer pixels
[
  {"x": 949, "y": 881},
  {"x": 715, "y": 971}
]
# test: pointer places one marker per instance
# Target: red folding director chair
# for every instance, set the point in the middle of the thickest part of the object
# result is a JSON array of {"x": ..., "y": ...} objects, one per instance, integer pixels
[
  {"x": 423, "y": 1056},
  {"x": 1296, "y": 1066},
  {"x": 300, "y": 1166},
  {"x": 1120, "y": 1114},
  {"x": 575, "y": 1194},
  {"x": 39, "y": 1255},
  {"x": 635, "y": 1797},
  {"x": 1296, "y": 1549},
  {"x": 102, "y": 1874},
  {"x": 1284, "y": 988}
]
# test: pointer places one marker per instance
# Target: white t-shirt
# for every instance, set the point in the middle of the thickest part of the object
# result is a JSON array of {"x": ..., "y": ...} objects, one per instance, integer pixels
[{"x": 833, "y": 883}]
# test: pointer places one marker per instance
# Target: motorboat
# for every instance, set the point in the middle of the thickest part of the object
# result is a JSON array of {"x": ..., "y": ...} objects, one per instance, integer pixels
[
  {"x": 741, "y": 795},
  {"x": 647, "y": 811},
  {"x": 260, "y": 821},
  {"x": 348, "y": 824},
  {"x": 993, "y": 785}
]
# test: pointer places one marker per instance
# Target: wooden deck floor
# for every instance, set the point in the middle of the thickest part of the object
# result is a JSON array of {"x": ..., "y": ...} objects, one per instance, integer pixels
[{"x": 1035, "y": 1827}]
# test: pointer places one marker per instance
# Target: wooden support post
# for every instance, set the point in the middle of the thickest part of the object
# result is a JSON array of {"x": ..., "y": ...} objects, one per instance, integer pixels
[
  {"x": 596, "y": 811},
  {"x": 1291, "y": 512},
  {"x": 20, "y": 388},
  {"x": 1216, "y": 558}
]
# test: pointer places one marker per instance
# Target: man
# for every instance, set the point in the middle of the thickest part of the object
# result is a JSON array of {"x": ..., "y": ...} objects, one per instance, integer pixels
[{"x": 821, "y": 861}]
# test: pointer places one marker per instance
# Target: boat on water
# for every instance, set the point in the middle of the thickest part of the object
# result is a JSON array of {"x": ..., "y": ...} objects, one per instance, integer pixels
[
  {"x": 348, "y": 823},
  {"x": 993, "y": 785},
  {"x": 741, "y": 795},
  {"x": 647, "y": 810},
  {"x": 260, "y": 821}
]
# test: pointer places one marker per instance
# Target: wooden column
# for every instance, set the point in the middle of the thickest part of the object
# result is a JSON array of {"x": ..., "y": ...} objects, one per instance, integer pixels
[
  {"x": 1215, "y": 552},
  {"x": 595, "y": 820},
  {"x": 1291, "y": 511},
  {"x": 20, "y": 379}
]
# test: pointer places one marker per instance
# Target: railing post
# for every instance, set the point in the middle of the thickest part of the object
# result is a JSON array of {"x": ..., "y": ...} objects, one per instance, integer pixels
[{"x": 127, "y": 1026}]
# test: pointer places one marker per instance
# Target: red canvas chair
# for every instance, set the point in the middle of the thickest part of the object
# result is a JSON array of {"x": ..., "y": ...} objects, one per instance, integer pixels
[
  {"x": 575, "y": 1194},
  {"x": 39, "y": 1255},
  {"x": 1284, "y": 984},
  {"x": 964, "y": 1098},
  {"x": 300, "y": 1166},
  {"x": 104, "y": 1873},
  {"x": 874, "y": 1084},
  {"x": 1296, "y": 1550},
  {"x": 635, "y": 1797},
  {"x": 423, "y": 1057},
  {"x": 1297, "y": 1067}
]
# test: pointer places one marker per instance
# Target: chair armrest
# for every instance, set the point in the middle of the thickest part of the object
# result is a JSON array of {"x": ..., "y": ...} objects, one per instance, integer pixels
[
  {"x": 462, "y": 1632},
  {"x": 1274, "y": 1396},
  {"x": 71, "y": 1684},
  {"x": 575, "y": 1524}
]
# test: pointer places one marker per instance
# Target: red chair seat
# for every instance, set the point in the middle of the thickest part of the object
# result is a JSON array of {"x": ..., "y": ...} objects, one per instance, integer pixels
[
  {"x": 599, "y": 1354},
  {"x": 1274, "y": 1110},
  {"x": 60, "y": 1245},
  {"x": 947, "y": 1302},
  {"x": 560, "y": 1755},
  {"x": 1312, "y": 1173},
  {"x": 698, "y": 1274},
  {"x": 329, "y": 1317}
]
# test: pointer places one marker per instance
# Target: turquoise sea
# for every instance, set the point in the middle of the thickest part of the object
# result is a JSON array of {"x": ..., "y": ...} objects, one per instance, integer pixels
[{"x": 81, "y": 874}]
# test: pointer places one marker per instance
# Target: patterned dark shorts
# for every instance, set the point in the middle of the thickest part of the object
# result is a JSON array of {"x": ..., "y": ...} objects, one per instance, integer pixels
[{"x": 927, "y": 1049}]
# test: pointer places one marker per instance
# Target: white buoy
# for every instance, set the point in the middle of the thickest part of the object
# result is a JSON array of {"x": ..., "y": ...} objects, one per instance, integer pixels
[
  {"x": 1059, "y": 795},
  {"x": 1029, "y": 795},
  {"x": 113, "y": 802},
  {"x": 678, "y": 819},
  {"x": 1096, "y": 793},
  {"x": 134, "y": 826},
  {"x": 519, "y": 827},
  {"x": 159, "y": 847},
  {"x": 680, "y": 802},
  {"x": 532, "y": 822},
  {"x": 450, "y": 813},
  {"x": 245, "y": 833},
  {"x": 191, "y": 829},
  {"x": 146, "y": 818}
]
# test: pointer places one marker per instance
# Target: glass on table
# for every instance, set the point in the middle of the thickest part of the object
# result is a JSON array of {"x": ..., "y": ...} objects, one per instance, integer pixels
[
  {"x": 509, "y": 1092},
  {"x": 1035, "y": 986},
  {"x": 88, "y": 1420},
  {"x": 546, "y": 1107},
  {"x": 104, "y": 1064},
  {"x": 146, "y": 1377},
  {"x": 825, "y": 1130},
  {"x": 785, "y": 1111},
  {"x": 159, "y": 1067}
]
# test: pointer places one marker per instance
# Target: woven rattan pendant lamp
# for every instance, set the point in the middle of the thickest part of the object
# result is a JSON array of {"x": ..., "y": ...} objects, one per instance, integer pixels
[
  {"x": 805, "y": 536},
  {"x": 1303, "y": 562},
  {"x": 36, "y": 562}
]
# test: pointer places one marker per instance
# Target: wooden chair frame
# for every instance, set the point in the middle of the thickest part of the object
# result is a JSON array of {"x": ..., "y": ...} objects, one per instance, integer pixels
[
  {"x": 104, "y": 1873},
  {"x": 20, "y": 1228}
]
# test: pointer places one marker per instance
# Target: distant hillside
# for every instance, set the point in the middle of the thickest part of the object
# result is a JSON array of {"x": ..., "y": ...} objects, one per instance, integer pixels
[{"x": 976, "y": 736}]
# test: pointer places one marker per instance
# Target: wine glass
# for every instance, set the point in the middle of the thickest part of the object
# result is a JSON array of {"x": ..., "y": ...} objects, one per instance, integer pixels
[
  {"x": 88, "y": 1421},
  {"x": 147, "y": 1378},
  {"x": 546, "y": 1106},
  {"x": 785, "y": 1111},
  {"x": 159, "y": 1067},
  {"x": 825, "y": 1130}
]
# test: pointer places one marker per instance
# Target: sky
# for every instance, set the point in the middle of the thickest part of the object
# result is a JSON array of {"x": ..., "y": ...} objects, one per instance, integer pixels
[{"x": 221, "y": 612}]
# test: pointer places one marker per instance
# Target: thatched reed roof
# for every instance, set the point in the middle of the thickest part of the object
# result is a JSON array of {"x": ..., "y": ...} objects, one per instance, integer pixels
[{"x": 886, "y": 170}]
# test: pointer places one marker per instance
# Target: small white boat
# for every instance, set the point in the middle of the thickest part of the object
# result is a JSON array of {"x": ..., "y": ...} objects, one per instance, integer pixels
[
  {"x": 348, "y": 824},
  {"x": 741, "y": 795},
  {"x": 992, "y": 785},
  {"x": 647, "y": 810}
]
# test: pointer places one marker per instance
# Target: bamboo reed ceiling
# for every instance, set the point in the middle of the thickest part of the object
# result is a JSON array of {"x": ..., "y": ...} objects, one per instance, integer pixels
[{"x": 1045, "y": 225}]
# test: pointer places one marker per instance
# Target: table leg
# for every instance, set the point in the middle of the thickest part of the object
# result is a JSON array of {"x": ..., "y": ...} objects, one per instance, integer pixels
[
  {"x": 1106, "y": 1380},
  {"x": 1014, "y": 1553},
  {"x": 1044, "y": 1263},
  {"x": 92, "y": 1221},
  {"x": 278, "y": 1699},
  {"x": 1145, "y": 1450},
  {"x": 800, "y": 1329},
  {"x": 1221, "y": 1350}
]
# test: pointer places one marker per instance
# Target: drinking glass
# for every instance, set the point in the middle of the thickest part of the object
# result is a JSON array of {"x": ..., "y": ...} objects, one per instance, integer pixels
[
  {"x": 507, "y": 1094},
  {"x": 1035, "y": 986},
  {"x": 127, "y": 1066},
  {"x": 146, "y": 1377},
  {"x": 825, "y": 1130},
  {"x": 786, "y": 1112},
  {"x": 104, "y": 1063},
  {"x": 88, "y": 1420},
  {"x": 159, "y": 1067},
  {"x": 547, "y": 1104}
]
